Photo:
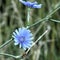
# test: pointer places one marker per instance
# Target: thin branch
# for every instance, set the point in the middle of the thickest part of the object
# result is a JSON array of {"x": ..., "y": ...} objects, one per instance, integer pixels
[
  {"x": 46, "y": 18},
  {"x": 10, "y": 55},
  {"x": 55, "y": 20},
  {"x": 28, "y": 16},
  {"x": 37, "y": 41},
  {"x": 6, "y": 43}
]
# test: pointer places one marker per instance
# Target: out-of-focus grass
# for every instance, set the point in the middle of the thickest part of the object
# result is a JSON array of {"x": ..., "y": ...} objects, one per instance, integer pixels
[{"x": 14, "y": 15}]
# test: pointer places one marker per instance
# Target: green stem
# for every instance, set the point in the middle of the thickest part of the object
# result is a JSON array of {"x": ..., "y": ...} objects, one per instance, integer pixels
[
  {"x": 37, "y": 22},
  {"x": 52, "y": 12},
  {"x": 6, "y": 43},
  {"x": 10, "y": 55},
  {"x": 28, "y": 16},
  {"x": 46, "y": 18},
  {"x": 55, "y": 20},
  {"x": 37, "y": 40}
]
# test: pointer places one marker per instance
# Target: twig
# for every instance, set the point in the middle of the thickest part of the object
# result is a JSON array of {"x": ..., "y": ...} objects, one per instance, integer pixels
[
  {"x": 37, "y": 40},
  {"x": 6, "y": 43},
  {"x": 10, "y": 55},
  {"x": 28, "y": 16},
  {"x": 55, "y": 20},
  {"x": 46, "y": 18}
]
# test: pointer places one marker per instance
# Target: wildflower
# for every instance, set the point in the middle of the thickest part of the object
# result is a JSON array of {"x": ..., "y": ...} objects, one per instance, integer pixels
[
  {"x": 31, "y": 4},
  {"x": 23, "y": 37}
]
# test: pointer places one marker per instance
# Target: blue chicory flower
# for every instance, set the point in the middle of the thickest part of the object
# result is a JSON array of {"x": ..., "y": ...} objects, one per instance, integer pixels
[
  {"x": 23, "y": 37},
  {"x": 31, "y": 4}
]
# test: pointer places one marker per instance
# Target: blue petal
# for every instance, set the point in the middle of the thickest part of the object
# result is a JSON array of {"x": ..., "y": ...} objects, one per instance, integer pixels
[
  {"x": 28, "y": 42},
  {"x": 24, "y": 46},
  {"x": 16, "y": 40},
  {"x": 14, "y": 34},
  {"x": 35, "y": 2},
  {"x": 28, "y": 45},
  {"x": 20, "y": 45},
  {"x": 37, "y": 6},
  {"x": 17, "y": 32},
  {"x": 29, "y": 39},
  {"x": 31, "y": 4},
  {"x": 16, "y": 43}
]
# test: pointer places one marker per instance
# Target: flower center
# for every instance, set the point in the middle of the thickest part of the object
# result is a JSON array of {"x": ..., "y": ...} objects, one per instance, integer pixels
[{"x": 22, "y": 39}]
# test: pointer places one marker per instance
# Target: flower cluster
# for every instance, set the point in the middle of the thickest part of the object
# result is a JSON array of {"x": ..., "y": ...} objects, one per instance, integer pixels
[
  {"x": 23, "y": 37},
  {"x": 31, "y": 4}
]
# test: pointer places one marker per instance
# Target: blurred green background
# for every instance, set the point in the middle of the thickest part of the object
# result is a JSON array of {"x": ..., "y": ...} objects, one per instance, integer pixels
[{"x": 13, "y": 15}]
